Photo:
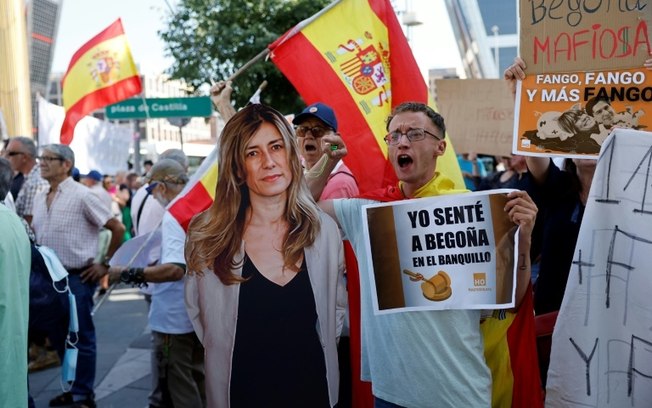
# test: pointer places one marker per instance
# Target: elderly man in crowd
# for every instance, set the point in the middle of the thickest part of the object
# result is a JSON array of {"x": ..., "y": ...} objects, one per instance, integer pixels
[
  {"x": 177, "y": 356},
  {"x": 21, "y": 153},
  {"x": 68, "y": 218}
]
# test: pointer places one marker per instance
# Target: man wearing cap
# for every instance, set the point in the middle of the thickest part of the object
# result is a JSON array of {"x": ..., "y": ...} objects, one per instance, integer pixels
[
  {"x": 21, "y": 153},
  {"x": 93, "y": 180},
  {"x": 177, "y": 351},
  {"x": 310, "y": 126},
  {"x": 68, "y": 219},
  {"x": 146, "y": 212},
  {"x": 314, "y": 122}
]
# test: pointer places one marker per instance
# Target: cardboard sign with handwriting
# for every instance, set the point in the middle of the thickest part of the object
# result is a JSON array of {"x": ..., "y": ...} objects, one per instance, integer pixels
[
  {"x": 565, "y": 36},
  {"x": 479, "y": 114}
]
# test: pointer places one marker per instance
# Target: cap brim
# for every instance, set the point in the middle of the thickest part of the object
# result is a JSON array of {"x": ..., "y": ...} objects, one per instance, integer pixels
[
  {"x": 306, "y": 115},
  {"x": 303, "y": 116}
]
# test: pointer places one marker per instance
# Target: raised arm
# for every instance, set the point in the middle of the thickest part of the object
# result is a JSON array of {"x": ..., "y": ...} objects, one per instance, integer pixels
[
  {"x": 317, "y": 176},
  {"x": 515, "y": 72},
  {"x": 221, "y": 98},
  {"x": 523, "y": 212},
  {"x": 537, "y": 166}
]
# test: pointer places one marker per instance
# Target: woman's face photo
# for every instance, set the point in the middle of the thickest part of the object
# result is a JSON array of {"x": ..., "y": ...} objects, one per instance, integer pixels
[
  {"x": 584, "y": 122},
  {"x": 266, "y": 163}
]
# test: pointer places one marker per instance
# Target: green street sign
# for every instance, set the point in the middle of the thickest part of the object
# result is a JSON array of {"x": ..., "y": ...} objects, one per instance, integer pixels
[{"x": 160, "y": 108}]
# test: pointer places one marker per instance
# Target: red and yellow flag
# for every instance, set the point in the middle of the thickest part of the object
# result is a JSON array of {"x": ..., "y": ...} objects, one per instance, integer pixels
[
  {"x": 354, "y": 57},
  {"x": 100, "y": 73},
  {"x": 198, "y": 194}
]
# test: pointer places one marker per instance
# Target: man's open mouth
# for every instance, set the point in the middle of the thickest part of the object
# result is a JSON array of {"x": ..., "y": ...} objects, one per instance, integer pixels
[{"x": 404, "y": 160}]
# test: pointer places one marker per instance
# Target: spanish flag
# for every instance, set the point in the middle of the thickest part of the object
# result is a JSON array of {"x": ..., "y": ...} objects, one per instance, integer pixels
[
  {"x": 100, "y": 73},
  {"x": 198, "y": 194},
  {"x": 354, "y": 57}
]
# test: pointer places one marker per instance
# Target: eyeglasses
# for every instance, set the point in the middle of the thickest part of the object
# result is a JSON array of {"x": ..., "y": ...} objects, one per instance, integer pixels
[
  {"x": 12, "y": 154},
  {"x": 316, "y": 131},
  {"x": 50, "y": 159},
  {"x": 413, "y": 135}
]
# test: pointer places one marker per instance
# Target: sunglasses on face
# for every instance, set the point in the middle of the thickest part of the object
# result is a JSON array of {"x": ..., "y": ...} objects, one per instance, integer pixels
[
  {"x": 12, "y": 154},
  {"x": 315, "y": 131}
]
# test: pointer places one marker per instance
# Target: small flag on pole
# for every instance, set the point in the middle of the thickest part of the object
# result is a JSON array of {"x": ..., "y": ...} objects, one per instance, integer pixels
[{"x": 100, "y": 73}]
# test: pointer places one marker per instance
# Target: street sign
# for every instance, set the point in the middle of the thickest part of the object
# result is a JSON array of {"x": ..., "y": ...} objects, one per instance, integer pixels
[{"x": 160, "y": 108}]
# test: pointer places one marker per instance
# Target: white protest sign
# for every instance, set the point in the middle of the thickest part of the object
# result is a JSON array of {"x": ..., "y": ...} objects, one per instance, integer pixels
[
  {"x": 445, "y": 252},
  {"x": 602, "y": 344}
]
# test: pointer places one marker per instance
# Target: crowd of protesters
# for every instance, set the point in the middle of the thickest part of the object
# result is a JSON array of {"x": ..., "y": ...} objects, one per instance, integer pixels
[{"x": 248, "y": 306}]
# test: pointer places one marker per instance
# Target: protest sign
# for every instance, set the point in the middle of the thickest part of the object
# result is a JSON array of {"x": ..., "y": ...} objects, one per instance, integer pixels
[
  {"x": 479, "y": 114},
  {"x": 445, "y": 252},
  {"x": 582, "y": 35},
  {"x": 555, "y": 115},
  {"x": 602, "y": 345}
]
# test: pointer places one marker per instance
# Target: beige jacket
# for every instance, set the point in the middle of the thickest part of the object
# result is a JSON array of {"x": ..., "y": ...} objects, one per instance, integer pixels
[{"x": 213, "y": 310}]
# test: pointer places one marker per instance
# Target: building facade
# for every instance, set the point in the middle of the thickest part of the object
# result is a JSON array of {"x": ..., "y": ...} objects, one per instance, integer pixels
[{"x": 487, "y": 35}]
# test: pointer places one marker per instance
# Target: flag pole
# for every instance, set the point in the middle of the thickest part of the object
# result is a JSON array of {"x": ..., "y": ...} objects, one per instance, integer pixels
[
  {"x": 131, "y": 261},
  {"x": 291, "y": 33}
]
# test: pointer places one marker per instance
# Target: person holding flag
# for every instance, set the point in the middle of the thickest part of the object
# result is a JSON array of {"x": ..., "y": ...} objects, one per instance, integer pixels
[
  {"x": 422, "y": 358},
  {"x": 178, "y": 357}
]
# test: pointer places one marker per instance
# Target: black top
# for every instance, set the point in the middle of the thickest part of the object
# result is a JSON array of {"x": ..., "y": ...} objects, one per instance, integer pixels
[
  {"x": 555, "y": 235},
  {"x": 278, "y": 360}
]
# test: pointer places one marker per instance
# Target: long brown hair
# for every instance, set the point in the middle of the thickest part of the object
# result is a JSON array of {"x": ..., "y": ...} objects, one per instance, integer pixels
[{"x": 215, "y": 235}]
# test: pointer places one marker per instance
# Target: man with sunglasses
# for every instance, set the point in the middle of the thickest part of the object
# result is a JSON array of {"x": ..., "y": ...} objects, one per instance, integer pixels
[
  {"x": 314, "y": 122},
  {"x": 310, "y": 126},
  {"x": 420, "y": 358},
  {"x": 21, "y": 153}
]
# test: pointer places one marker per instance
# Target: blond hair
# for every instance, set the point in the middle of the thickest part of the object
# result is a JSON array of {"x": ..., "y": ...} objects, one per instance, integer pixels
[{"x": 215, "y": 235}]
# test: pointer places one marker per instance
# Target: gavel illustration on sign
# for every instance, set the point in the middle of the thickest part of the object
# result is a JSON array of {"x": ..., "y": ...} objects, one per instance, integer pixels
[{"x": 437, "y": 288}]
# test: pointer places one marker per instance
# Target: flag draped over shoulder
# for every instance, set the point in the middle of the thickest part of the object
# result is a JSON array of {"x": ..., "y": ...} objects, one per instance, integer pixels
[
  {"x": 354, "y": 57},
  {"x": 101, "y": 72},
  {"x": 198, "y": 194},
  {"x": 511, "y": 354}
]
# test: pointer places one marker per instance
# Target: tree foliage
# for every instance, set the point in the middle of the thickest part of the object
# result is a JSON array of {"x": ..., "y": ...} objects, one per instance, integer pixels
[{"x": 210, "y": 39}]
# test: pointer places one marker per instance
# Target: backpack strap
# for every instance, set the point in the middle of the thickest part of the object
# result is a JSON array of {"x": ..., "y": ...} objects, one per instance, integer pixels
[{"x": 140, "y": 209}]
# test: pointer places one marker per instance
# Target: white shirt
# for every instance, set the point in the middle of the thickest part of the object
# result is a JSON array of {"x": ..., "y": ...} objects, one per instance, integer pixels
[
  {"x": 71, "y": 225},
  {"x": 168, "y": 311},
  {"x": 150, "y": 216}
]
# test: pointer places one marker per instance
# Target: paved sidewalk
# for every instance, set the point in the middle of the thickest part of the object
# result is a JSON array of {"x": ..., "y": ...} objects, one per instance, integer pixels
[{"x": 123, "y": 377}]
